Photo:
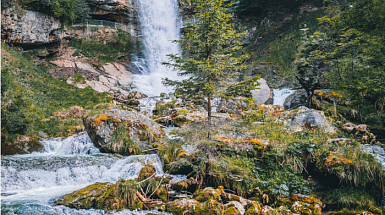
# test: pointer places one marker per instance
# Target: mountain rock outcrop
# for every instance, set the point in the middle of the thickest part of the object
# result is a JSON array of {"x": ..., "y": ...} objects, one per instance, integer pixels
[{"x": 25, "y": 27}]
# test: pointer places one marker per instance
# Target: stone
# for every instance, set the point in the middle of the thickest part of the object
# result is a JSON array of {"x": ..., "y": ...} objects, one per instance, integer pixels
[
  {"x": 31, "y": 28},
  {"x": 98, "y": 86},
  {"x": 139, "y": 130},
  {"x": 86, "y": 66},
  {"x": 183, "y": 206},
  {"x": 63, "y": 63},
  {"x": 124, "y": 80},
  {"x": 208, "y": 193},
  {"x": 295, "y": 100},
  {"x": 254, "y": 209},
  {"x": 311, "y": 119},
  {"x": 231, "y": 106},
  {"x": 23, "y": 145},
  {"x": 263, "y": 95},
  {"x": 266, "y": 210},
  {"x": 239, "y": 209}
]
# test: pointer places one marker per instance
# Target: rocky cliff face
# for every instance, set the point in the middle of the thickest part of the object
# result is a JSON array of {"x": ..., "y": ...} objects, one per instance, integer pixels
[
  {"x": 28, "y": 27},
  {"x": 120, "y": 11}
]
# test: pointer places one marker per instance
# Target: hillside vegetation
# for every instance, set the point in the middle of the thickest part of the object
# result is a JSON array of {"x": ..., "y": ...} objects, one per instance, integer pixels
[{"x": 30, "y": 98}]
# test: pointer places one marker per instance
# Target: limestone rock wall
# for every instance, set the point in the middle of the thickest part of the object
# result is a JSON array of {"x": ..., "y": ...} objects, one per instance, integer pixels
[{"x": 28, "y": 27}]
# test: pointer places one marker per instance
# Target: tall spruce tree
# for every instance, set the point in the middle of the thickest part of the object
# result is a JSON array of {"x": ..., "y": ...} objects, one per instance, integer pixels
[{"x": 209, "y": 57}]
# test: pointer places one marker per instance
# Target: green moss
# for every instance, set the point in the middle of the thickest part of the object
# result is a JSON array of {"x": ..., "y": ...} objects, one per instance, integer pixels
[
  {"x": 254, "y": 209},
  {"x": 146, "y": 172},
  {"x": 231, "y": 211},
  {"x": 207, "y": 194}
]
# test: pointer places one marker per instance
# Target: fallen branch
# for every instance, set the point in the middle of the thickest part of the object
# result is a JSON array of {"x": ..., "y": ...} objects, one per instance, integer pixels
[
  {"x": 158, "y": 185},
  {"x": 141, "y": 197},
  {"x": 147, "y": 178}
]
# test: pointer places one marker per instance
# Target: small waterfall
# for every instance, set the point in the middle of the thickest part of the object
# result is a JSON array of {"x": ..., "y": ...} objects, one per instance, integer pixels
[
  {"x": 75, "y": 144},
  {"x": 160, "y": 25},
  {"x": 30, "y": 182},
  {"x": 280, "y": 95},
  {"x": 377, "y": 151}
]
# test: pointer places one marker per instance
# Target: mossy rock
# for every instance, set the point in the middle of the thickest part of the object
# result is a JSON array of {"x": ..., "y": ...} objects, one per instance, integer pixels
[
  {"x": 346, "y": 211},
  {"x": 86, "y": 198},
  {"x": 24, "y": 145},
  {"x": 180, "y": 120},
  {"x": 207, "y": 194},
  {"x": 162, "y": 194},
  {"x": 232, "y": 211},
  {"x": 303, "y": 204},
  {"x": 113, "y": 130},
  {"x": 190, "y": 185},
  {"x": 146, "y": 172},
  {"x": 182, "y": 166},
  {"x": 105, "y": 196},
  {"x": 182, "y": 206},
  {"x": 254, "y": 209}
]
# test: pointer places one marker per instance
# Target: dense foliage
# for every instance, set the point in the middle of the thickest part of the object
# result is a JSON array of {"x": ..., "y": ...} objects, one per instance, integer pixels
[{"x": 347, "y": 55}]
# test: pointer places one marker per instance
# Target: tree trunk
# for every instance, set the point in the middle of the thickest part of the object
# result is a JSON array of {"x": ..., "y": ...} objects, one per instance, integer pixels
[
  {"x": 209, "y": 115},
  {"x": 209, "y": 109}
]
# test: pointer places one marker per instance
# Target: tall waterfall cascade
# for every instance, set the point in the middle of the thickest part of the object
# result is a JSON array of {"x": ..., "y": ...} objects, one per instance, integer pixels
[{"x": 160, "y": 26}]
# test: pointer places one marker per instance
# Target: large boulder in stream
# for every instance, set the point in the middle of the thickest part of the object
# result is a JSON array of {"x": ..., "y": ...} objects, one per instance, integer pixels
[
  {"x": 113, "y": 130},
  {"x": 262, "y": 95},
  {"x": 295, "y": 100}
]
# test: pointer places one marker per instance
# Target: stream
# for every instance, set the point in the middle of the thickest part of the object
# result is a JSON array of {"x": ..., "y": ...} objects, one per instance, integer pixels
[{"x": 29, "y": 183}]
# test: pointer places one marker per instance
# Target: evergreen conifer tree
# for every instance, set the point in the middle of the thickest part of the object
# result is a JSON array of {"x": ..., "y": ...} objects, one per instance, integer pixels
[{"x": 209, "y": 57}]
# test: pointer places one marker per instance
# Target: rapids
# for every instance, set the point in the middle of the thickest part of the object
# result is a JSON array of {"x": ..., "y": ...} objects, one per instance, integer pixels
[{"x": 29, "y": 183}]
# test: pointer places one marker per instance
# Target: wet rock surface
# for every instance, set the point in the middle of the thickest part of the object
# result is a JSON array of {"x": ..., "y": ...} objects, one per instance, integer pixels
[{"x": 137, "y": 130}]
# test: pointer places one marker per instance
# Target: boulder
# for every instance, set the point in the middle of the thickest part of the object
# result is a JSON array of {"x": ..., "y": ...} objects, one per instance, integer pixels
[
  {"x": 231, "y": 106},
  {"x": 263, "y": 95},
  {"x": 146, "y": 172},
  {"x": 182, "y": 206},
  {"x": 295, "y": 100},
  {"x": 121, "y": 131},
  {"x": 266, "y": 210},
  {"x": 23, "y": 145},
  {"x": 105, "y": 196},
  {"x": 311, "y": 119},
  {"x": 208, "y": 193},
  {"x": 306, "y": 205},
  {"x": 25, "y": 27}
]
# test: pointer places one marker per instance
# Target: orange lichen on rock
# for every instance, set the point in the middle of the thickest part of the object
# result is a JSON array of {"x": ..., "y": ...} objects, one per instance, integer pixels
[
  {"x": 337, "y": 159},
  {"x": 222, "y": 139}
]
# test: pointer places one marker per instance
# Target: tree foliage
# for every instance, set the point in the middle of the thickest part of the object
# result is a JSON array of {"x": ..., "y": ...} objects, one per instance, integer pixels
[
  {"x": 67, "y": 11},
  {"x": 350, "y": 46},
  {"x": 210, "y": 48}
]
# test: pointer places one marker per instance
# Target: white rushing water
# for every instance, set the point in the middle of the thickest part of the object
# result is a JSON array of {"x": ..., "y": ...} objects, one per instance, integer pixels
[
  {"x": 30, "y": 182},
  {"x": 377, "y": 151},
  {"x": 280, "y": 95},
  {"x": 160, "y": 25}
]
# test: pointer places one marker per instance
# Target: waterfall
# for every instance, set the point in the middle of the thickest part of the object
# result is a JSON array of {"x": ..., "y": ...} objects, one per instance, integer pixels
[
  {"x": 280, "y": 95},
  {"x": 160, "y": 25}
]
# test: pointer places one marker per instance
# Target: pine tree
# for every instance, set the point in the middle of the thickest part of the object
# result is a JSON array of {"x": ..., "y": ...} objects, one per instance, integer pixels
[{"x": 209, "y": 57}]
